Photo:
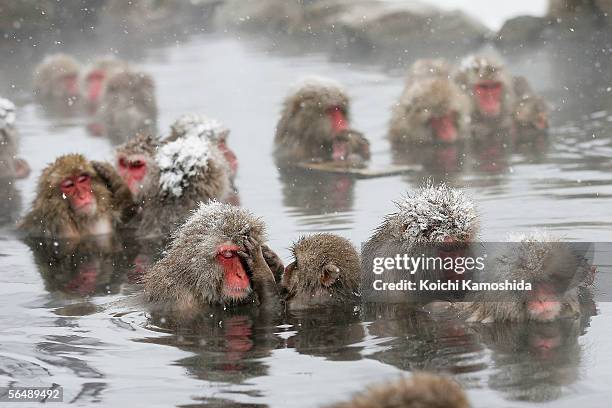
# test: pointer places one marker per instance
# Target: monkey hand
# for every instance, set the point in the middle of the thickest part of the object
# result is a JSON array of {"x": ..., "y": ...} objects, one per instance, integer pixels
[
  {"x": 109, "y": 176},
  {"x": 122, "y": 196},
  {"x": 274, "y": 262},
  {"x": 264, "y": 283},
  {"x": 253, "y": 256}
]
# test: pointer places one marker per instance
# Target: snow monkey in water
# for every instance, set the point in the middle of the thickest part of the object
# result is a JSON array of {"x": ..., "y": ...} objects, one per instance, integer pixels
[
  {"x": 56, "y": 80},
  {"x": 432, "y": 108},
  {"x": 169, "y": 179},
  {"x": 206, "y": 128},
  {"x": 325, "y": 272},
  {"x": 214, "y": 259},
  {"x": 530, "y": 110},
  {"x": 421, "y": 390},
  {"x": 559, "y": 277},
  {"x": 96, "y": 78},
  {"x": 129, "y": 106},
  {"x": 10, "y": 166},
  {"x": 76, "y": 198},
  {"x": 314, "y": 126},
  {"x": 490, "y": 89},
  {"x": 436, "y": 220}
]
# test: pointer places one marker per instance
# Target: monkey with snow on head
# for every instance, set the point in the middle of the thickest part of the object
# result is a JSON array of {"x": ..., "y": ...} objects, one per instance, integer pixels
[
  {"x": 206, "y": 128},
  {"x": 431, "y": 110},
  {"x": 559, "y": 277},
  {"x": 314, "y": 126},
  {"x": 214, "y": 259},
  {"x": 10, "y": 165},
  {"x": 128, "y": 107},
  {"x": 490, "y": 89},
  {"x": 325, "y": 272},
  {"x": 76, "y": 198},
  {"x": 437, "y": 221},
  {"x": 421, "y": 390},
  {"x": 169, "y": 179},
  {"x": 56, "y": 80}
]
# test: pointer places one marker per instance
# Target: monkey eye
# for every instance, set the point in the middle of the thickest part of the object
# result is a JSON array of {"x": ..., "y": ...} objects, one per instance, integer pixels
[
  {"x": 67, "y": 184},
  {"x": 227, "y": 254},
  {"x": 96, "y": 75},
  {"x": 122, "y": 162},
  {"x": 83, "y": 178},
  {"x": 137, "y": 164}
]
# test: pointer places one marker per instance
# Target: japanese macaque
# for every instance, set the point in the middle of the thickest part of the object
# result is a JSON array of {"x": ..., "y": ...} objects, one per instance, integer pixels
[
  {"x": 56, "y": 80},
  {"x": 205, "y": 128},
  {"x": 421, "y": 390},
  {"x": 11, "y": 167},
  {"x": 314, "y": 126},
  {"x": 77, "y": 198},
  {"x": 530, "y": 110},
  {"x": 436, "y": 220},
  {"x": 325, "y": 271},
  {"x": 169, "y": 179},
  {"x": 214, "y": 258},
  {"x": 490, "y": 89},
  {"x": 432, "y": 108},
  {"x": 557, "y": 273},
  {"x": 96, "y": 78},
  {"x": 129, "y": 106}
]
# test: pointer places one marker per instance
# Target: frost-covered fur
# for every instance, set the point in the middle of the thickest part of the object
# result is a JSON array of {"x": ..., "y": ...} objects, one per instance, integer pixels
[
  {"x": 304, "y": 131},
  {"x": 49, "y": 74},
  {"x": 8, "y": 138},
  {"x": 129, "y": 106},
  {"x": 199, "y": 125},
  {"x": 312, "y": 255},
  {"x": 422, "y": 100},
  {"x": 537, "y": 257},
  {"x": 422, "y": 390},
  {"x": 188, "y": 276}
]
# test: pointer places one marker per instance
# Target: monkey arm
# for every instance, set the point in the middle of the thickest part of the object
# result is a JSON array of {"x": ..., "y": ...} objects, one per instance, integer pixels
[
  {"x": 274, "y": 262},
  {"x": 263, "y": 280},
  {"x": 122, "y": 196}
]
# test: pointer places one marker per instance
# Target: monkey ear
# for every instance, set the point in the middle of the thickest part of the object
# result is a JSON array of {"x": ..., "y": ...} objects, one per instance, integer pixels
[{"x": 329, "y": 274}]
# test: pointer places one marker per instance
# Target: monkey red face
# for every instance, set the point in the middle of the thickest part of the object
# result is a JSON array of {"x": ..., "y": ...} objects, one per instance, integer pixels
[
  {"x": 337, "y": 117},
  {"x": 444, "y": 127},
  {"x": 133, "y": 170},
  {"x": 95, "y": 83},
  {"x": 543, "y": 304},
  {"x": 236, "y": 283},
  {"x": 541, "y": 121},
  {"x": 70, "y": 82},
  {"x": 230, "y": 157},
  {"x": 77, "y": 189},
  {"x": 488, "y": 94}
]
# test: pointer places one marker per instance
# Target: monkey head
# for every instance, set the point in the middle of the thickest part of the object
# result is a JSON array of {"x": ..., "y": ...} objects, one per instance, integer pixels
[
  {"x": 531, "y": 114},
  {"x": 326, "y": 269},
  {"x": 434, "y": 214},
  {"x": 432, "y": 110},
  {"x": 487, "y": 84},
  {"x": 135, "y": 161},
  {"x": 202, "y": 265},
  {"x": 58, "y": 77},
  {"x": 130, "y": 88},
  {"x": 208, "y": 129},
  {"x": 97, "y": 76},
  {"x": 428, "y": 68}
]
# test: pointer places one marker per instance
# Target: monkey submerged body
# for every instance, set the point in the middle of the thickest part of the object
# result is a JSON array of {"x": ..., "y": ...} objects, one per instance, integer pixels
[
  {"x": 169, "y": 179},
  {"x": 205, "y": 128},
  {"x": 56, "y": 80},
  {"x": 77, "y": 198},
  {"x": 128, "y": 107},
  {"x": 432, "y": 108},
  {"x": 215, "y": 258},
  {"x": 314, "y": 126},
  {"x": 491, "y": 92},
  {"x": 421, "y": 390},
  {"x": 11, "y": 166},
  {"x": 96, "y": 79},
  {"x": 557, "y": 276},
  {"x": 325, "y": 272}
]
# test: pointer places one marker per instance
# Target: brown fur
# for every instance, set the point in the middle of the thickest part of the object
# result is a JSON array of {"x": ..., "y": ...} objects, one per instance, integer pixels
[
  {"x": 422, "y": 390},
  {"x": 422, "y": 100},
  {"x": 529, "y": 108},
  {"x": 129, "y": 106},
  {"x": 51, "y": 215},
  {"x": 304, "y": 131},
  {"x": 8, "y": 151},
  {"x": 48, "y": 77},
  {"x": 188, "y": 278},
  {"x": 428, "y": 68},
  {"x": 326, "y": 271},
  {"x": 475, "y": 69}
]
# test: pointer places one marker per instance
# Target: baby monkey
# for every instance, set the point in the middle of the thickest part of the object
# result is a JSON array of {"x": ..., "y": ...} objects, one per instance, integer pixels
[
  {"x": 326, "y": 271},
  {"x": 422, "y": 390}
]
